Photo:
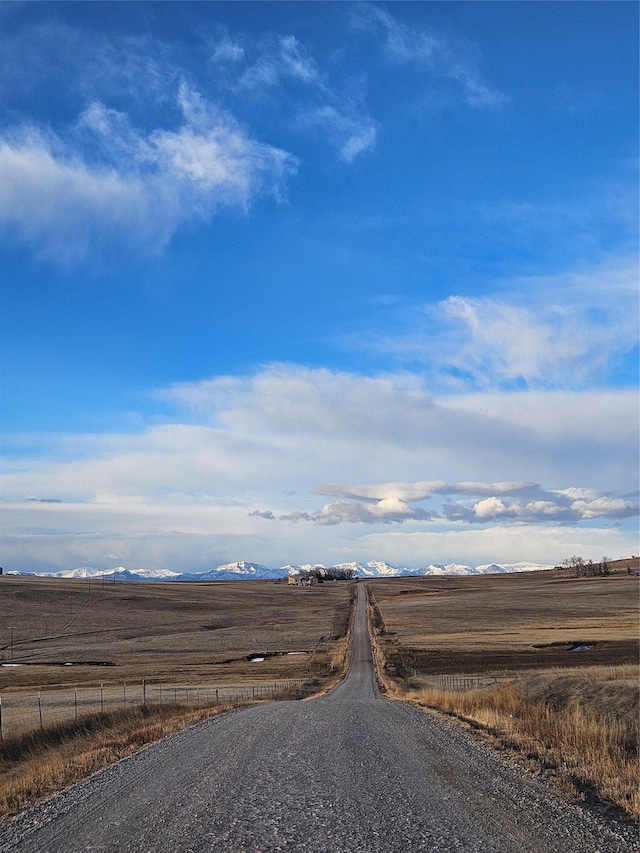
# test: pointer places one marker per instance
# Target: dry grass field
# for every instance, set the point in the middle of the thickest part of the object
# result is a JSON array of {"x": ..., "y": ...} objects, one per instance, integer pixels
[
  {"x": 163, "y": 632},
  {"x": 502, "y": 623},
  {"x": 552, "y": 664}
]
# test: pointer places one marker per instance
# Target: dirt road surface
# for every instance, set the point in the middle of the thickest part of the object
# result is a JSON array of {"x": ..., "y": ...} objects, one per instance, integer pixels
[{"x": 351, "y": 772}]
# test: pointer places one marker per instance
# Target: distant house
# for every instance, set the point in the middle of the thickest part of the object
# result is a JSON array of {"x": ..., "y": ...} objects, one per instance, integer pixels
[{"x": 302, "y": 580}]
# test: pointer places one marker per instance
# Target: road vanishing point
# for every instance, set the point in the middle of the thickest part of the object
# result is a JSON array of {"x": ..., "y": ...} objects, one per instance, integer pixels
[{"x": 350, "y": 772}]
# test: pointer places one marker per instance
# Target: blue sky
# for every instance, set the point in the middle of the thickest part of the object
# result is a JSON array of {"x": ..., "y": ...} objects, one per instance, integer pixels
[{"x": 318, "y": 282}]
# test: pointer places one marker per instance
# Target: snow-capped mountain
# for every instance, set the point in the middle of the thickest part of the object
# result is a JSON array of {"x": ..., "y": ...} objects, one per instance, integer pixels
[
  {"x": 242, "y": 570},
  {"x": 234, "y": 571},
  {"x": 377, "y": 569},
  {"x": 118, "y": 573}
]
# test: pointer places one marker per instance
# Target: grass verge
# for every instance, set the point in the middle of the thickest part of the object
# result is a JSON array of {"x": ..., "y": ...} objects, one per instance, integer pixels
[
  {"x": 580, "y": 729},
  {"x": 39, "y": 763}
]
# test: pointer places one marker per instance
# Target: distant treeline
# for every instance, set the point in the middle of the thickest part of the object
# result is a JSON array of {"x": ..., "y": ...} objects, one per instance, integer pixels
[
  {"x": 578, "y": 567},
  {"x": 336, "y": 573}
]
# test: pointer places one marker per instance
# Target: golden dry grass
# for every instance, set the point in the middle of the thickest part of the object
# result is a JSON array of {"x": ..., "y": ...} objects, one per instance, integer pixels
[
  {"x": 39, "y": 763},
  {"x": 561, "y": 728},
  {"x": 572, "y": 714}
]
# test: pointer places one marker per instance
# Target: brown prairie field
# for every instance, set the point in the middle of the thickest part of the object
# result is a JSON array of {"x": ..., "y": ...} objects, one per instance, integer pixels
[
  {"x": 163, "y": 632},
  {"x": 505, "y": 623}
]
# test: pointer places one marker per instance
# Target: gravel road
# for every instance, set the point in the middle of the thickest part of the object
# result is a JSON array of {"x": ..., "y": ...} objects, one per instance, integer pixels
[{"x": 351, "y": 772}]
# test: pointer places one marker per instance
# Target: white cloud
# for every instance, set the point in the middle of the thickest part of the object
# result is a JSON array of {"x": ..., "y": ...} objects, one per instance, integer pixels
[
  {"x": 382, "y": 491},
  {"x": 242, "y": 456},
  {"x": 383, "y": 504},
  {"x": 604, "y": 506},
  {"x": 559, "y": 331},
  {"x": 58, "y": 204},
  {"x": 489, "y": 508},
  {"x": 142, "y": 187},
  {"x": 385, "y": 511},
  {"x": 227, "y": 50},
  {"x": 187, "y": 539}
]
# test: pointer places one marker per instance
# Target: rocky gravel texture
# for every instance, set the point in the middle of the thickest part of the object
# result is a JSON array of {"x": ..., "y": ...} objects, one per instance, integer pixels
[{"x": 348, "y": 773}]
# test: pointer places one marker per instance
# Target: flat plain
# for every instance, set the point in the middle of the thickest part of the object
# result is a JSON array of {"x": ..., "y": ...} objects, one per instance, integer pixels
[
  {"x": 507, "y": 623},
  {"x": 58, "y": 633}
]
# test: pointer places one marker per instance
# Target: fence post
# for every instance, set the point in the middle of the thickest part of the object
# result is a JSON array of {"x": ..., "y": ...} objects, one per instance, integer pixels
[
  {"x": 40, "y": 709},
  {"x": 144, "y": 692},
  {"x": 101, "y": 698}
]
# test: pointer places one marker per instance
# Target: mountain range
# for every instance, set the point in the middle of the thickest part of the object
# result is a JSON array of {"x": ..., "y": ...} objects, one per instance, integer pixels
[{"x": 245, "y": 570}]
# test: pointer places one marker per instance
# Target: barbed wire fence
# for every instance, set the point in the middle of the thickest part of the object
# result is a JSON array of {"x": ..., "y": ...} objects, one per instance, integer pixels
[
  {"x": 21, "y": 712},
  {"x": 459, "y": 682}
]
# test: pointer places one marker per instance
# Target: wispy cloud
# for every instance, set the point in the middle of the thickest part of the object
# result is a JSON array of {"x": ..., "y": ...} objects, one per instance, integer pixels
[
  {"x": 135, "y": 186},
  {"x": 276, "y": 59},
  {"x": 350, "y": 133},
  {"x": 436, "y": 53},
  {"x": 558, "y": 331},
  {"x": 281, "y": 67},
  {"x": 55, "y": 59},
  {"x": 130, "y": 176}
]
